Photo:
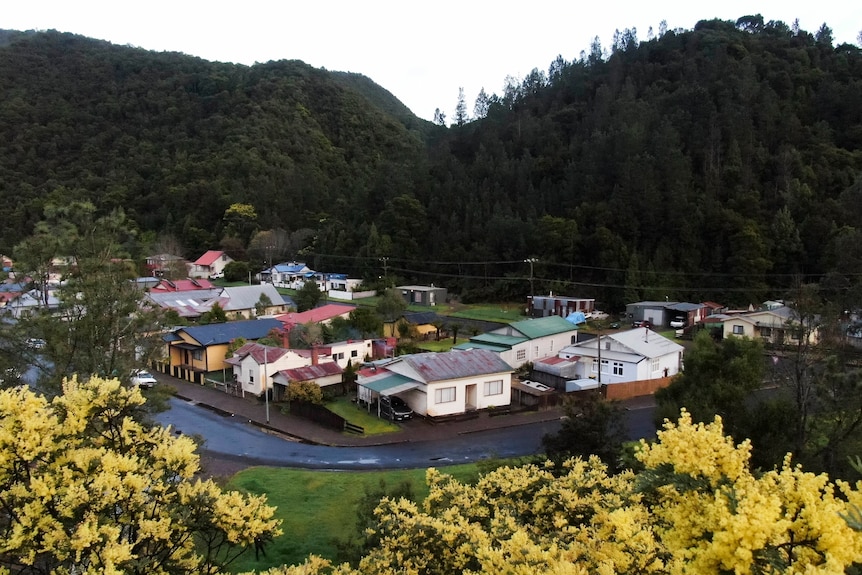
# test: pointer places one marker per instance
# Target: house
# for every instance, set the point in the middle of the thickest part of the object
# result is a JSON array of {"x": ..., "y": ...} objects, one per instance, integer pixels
[
  {"x": 423, "y": 322},
  {"x": 160, "y": 265},
  {"x": 191, "y": 284},
  {"x": 423, "y": 295},
  {"x": 194, "y": 351},
  {"x": 774, "y": 324},
  {"x": 350, "y": 352},
  {"x": 210, "y": 265},
  {"x": 29, "y": 302},
  {"x": 187, "y": 304},
  {"x": 254, "y": 366},
  {"x": 626, "y": 363},
  {"x": 546, "y": 305},
  {"x": 526, "y": 341},
  {"x": 289, "y": 275},
  {"x": 323, "y": 314},
  {"x": 250, "y": 301},
  {"x": 440, "y": 384},
  {"x": 322, "y": 371}
]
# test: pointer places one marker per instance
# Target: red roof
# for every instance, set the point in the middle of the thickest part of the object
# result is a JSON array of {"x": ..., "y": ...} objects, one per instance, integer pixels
[
  {"x": 311, "y": 372},
  {"x": 316, "y": 315},
  {"x": 208, "y": 258},
  {"x": 183, "y": 285}
]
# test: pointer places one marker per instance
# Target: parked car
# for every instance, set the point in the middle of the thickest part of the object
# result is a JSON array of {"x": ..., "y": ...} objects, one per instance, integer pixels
[
  {"x": 394, "y": 408},
  {"x": 641, "y": 323},
  {"x": 143, "y": 378},
  {"x": 677, "y": 322},
  {"x": 598, "y": 315},
  {"x": 35, "y": 343}
]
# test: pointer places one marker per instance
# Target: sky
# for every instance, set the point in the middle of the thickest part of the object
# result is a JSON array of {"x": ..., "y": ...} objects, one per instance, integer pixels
[{"x": 422, "y": 52}]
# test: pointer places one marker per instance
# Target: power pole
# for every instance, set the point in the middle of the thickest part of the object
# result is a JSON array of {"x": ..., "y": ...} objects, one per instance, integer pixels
[{"x": 531, "y": 261}]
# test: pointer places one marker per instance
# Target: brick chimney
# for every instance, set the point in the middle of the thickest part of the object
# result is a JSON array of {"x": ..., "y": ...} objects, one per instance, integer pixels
[{"x": 314, "y": 355}]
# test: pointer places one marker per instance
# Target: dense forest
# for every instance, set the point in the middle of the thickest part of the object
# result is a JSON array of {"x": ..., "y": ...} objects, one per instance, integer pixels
[{"x": 719, "y": 163}]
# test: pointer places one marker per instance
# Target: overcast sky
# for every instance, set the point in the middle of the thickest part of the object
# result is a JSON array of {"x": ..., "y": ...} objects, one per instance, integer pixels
[{"x": 421, "y": 51}]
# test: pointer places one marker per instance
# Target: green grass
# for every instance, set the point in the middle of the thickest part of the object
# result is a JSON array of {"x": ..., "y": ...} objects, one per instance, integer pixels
[
  {"x": 357, "y": 415},
  {"x": 444, "y": 344},
  {"x": 499, "y": 312},
  {"x": 319, "y": 507}
]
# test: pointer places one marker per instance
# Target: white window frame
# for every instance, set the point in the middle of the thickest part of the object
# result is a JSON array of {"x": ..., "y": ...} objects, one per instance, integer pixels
[
  {"x": 655, "y": 365},
  {"x": 738, "y": 330},
  {"x": 521, "y": 354},
  {"x": 605, "y": 366},
  {"x": 445, "y": 394},
  {"x": 494, "y": 387},
  {"x": 618, "y": 368}
]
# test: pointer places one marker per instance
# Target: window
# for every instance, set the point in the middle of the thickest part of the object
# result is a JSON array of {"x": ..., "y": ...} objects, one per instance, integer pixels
[
  {"x": 766, "y": 332},
  {"x": 521, "y": 355},
  {"x": 654, "y": 365},
  {"x": 250, "y": 376},
  {"x": 594, "y": 368},
  {"x": 618, "y": 368},
  {"x": 536, "y": 351},
  {"x": 339, "y": 355},
  {"x": 444, "y": 395},
  {"x": 198, "y": 354},
  {"x": 604, "y": 366},
  {"x": 552, "y": 345},
  {"x": 737, "y": 330},
  {"x": 354, "y": 353},
  {"x": 494, "y": 387}
]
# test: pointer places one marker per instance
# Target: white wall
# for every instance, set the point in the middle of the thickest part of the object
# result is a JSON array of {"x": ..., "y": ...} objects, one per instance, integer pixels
[{"x": 459, "y": 405}]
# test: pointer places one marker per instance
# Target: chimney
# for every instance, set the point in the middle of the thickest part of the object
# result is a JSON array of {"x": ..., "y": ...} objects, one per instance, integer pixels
[
  {"x": 314, "y": 355},
  {"x": 285, "y": 338}
]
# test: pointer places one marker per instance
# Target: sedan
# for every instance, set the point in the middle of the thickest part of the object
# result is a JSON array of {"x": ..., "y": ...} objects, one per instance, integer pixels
[{"x": 142, "y": 378}]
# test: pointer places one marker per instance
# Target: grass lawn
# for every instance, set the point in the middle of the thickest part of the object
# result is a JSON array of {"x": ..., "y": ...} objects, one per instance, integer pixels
[
  {"x": 319, "y": 507},
  {"x": 357, "y": 415},
  {"x": 499, "y": 312},
  {"x": 445, "y": 344}
]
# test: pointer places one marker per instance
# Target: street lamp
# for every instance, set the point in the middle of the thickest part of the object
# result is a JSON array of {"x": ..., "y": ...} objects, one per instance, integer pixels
[{"x": 531, "y": 261}]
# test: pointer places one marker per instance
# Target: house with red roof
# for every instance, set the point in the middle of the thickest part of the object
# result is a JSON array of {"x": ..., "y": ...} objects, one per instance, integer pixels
[
  {"x": 169, "y": 286},
  {"x": 254, "y": 365},
  {"x": 323, "y": 314},
  {"x": 210, "y": 265}
]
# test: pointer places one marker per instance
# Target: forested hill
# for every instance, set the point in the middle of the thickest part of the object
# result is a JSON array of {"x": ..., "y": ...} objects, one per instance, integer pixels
[{"x": 716, "y": 163}]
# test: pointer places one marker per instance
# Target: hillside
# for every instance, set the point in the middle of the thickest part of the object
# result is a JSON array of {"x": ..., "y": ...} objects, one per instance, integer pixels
[{"x": 717, "y": 163}]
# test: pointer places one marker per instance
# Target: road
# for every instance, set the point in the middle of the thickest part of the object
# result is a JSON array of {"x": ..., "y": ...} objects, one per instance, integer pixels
[{"x": 238, "y": 439}]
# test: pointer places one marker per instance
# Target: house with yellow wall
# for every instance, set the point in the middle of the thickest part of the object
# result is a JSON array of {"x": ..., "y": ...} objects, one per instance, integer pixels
[{"x": 194, "y": 351}]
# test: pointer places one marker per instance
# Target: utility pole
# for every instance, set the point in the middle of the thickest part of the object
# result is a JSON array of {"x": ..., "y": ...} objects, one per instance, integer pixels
[
  {"x": 265, "y": 384},
  {"x": 531, "y": 261},
  {"x": 385, "y": 261}
]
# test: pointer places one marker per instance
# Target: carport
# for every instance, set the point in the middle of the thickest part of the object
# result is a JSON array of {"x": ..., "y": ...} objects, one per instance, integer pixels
[{"x": 387, "y": 383}]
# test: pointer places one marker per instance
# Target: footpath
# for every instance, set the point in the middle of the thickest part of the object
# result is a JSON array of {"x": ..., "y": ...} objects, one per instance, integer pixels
[{"x": 298, "y": 428}]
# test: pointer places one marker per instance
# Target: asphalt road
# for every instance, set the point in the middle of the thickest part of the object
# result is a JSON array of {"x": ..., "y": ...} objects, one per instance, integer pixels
[{"x": 241, "y": 441}]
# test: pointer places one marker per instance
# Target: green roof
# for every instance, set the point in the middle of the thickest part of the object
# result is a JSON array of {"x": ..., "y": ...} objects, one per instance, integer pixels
[
  {"x": 543, "y": 326},
  {"x": 390, "y": 382},
  {"x": 498, "y": 340},
  {"x": 473, "y": 344}
]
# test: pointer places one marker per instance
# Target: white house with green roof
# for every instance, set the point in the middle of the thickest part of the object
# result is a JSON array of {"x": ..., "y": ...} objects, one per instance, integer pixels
[{"x": 526, "y": 341}]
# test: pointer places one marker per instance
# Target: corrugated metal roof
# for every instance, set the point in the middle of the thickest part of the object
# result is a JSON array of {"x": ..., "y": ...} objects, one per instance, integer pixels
[
  {"x": 310, "y": 372},
  {"x": 386, "y": 380},
  {"x": 209, "y": 257},
  {"x": 218, "y": 333},
  {"x": 498, "y": 340},
  {"x": 543, "y": 326},
  {"x": 454, "y": 364},
  {"x": 481, "y": 345}
]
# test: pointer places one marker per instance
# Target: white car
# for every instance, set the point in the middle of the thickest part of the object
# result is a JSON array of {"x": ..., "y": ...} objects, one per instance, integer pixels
[
  {"x": 598, "y": 315},
  {"x": 143, "y": 378},
  {"x": 677, "y": 322}
]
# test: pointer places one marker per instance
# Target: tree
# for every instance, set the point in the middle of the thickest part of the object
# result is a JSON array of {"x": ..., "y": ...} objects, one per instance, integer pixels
[
  {"x": 483, "y": 103},
  {"x": 695, "y": 507},
  {"x": 305, "y": 391},
  {"x": 308, "y": 296},
  {"x": 718, "y": 378},
  {"x": 461, "y": 117},
  {"x": 101, "y": 325},
  {"x": 263, "y": 303},
  {"x": 240, "y": 221},
  {"x": 591, "y": 426},
  {"x": 439, "y": 117},
  {"x": 391, "y": 305},
  {"x": 366, "y": 321},
  {"x": 88, "y": 489},
  {"x": 216, "y": 314}
]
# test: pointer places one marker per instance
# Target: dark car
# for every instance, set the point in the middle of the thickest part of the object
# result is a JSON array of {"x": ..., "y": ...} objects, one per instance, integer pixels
[
  {"x": 641, "y": 323},
  {"x": 394, "y": 408}
]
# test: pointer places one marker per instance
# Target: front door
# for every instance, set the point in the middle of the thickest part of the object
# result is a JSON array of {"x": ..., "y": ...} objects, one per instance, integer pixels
[{"x": 470, "y": 400}]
